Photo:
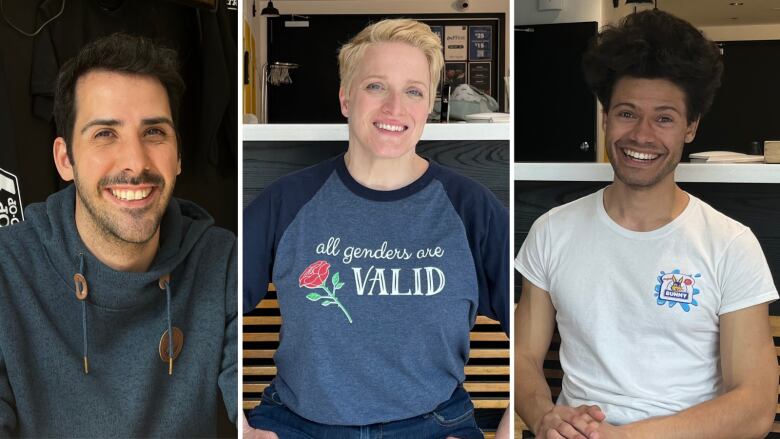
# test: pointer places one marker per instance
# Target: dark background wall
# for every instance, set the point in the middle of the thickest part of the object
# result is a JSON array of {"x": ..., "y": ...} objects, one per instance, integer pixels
[{"x": 206, "y": 44}]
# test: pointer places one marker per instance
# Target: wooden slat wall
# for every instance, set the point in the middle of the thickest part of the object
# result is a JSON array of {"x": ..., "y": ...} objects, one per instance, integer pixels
[
  {"x": 553, "y": 373},
  {"x": 487, "y": 372}
]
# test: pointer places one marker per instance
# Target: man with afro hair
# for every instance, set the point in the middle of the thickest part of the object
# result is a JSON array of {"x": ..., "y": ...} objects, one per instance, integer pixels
[{"x": 661, "y": 302}]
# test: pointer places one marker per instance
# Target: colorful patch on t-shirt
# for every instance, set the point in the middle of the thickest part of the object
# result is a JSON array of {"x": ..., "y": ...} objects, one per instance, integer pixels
[
  {"x": 676, "y": 287},
  {"x": 315, "y": 276}
]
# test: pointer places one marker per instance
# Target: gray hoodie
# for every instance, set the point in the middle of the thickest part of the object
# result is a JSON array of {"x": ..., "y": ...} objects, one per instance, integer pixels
[{"x": 44, "y": 390}]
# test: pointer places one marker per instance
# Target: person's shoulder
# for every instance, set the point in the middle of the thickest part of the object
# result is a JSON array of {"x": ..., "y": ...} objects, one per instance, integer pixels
[
  {"x": 23, "y": 231},
  {"x": 216, "y": 234},
  {"x": 463, "y": 190},
  {"x": 303, "y": 180},
  {"x": 581, "y": 207},
  {"x": 714, "y": 223}
]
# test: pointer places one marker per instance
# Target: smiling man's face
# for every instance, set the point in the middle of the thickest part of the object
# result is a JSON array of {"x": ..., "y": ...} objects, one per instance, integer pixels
[
  {"x": 125, "y": 155},
  {"x": 646, "y": 127}
]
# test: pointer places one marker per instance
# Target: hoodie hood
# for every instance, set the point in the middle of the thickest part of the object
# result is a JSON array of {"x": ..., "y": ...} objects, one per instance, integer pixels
[{"x": 182, "y": 225}]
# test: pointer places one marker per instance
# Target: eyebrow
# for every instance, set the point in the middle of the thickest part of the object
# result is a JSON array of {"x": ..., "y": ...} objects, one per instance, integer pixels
[
  {"x": 384, "y": 77},
  {"x": 115, "y": 122},
  {"x": 101, "y": 122},
  {"x": 659, "y": 108}
]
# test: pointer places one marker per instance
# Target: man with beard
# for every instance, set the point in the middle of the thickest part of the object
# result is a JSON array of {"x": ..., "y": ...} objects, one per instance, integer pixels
[
  {"x": 97, "y": 279},
  {"x": 663, "y": 320}
]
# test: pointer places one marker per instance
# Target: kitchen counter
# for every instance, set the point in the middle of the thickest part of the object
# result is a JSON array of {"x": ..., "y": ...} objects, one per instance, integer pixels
[{"x": 338, "y": 132}]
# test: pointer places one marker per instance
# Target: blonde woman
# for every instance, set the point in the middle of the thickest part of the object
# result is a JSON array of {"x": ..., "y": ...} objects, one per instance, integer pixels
[{"x": 381, "y": 260}]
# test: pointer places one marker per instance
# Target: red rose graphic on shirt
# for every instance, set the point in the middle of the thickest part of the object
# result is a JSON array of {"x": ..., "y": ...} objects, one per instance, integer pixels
[{"x": 315, "y": 276}]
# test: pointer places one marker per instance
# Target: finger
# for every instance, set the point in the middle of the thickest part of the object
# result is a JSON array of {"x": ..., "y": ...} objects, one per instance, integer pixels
[
  {"x": 568, "y": 431},
  {"x": 583, "y": 423},
  {"x": 552, "y": 434},
  {"x": 596, "y": 413}
]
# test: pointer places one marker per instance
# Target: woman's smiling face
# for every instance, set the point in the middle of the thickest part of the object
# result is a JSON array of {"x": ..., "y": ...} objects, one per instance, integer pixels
[{"x": 389, "y": 100}]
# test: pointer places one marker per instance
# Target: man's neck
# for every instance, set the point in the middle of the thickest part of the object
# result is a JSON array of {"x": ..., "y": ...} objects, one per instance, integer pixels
[
  {"x": 115, "y": 253},
  {"x": 644, "y": 209}
]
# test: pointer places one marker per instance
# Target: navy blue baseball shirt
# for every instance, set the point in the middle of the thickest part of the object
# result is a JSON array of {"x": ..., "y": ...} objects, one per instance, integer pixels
[{"x": 378, "y": 290}]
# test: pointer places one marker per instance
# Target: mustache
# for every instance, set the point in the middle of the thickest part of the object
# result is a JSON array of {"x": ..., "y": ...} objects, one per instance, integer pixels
[
  {"x": 145, "y": 177},
  {"x": 628, "y": 143}
]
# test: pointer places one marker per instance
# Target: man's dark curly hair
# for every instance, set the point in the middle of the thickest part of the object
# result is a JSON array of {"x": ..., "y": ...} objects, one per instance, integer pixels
[
  {"x": 121, "y": 53},
  {"x": 654, "y": 44}
]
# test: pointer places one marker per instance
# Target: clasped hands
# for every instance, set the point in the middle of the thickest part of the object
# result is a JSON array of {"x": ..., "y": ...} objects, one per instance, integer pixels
[{"x": 583, "y": 422}]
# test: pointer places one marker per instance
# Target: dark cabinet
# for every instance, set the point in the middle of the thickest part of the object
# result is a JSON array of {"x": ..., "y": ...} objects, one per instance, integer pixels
[{"x": 555, "y": 112}]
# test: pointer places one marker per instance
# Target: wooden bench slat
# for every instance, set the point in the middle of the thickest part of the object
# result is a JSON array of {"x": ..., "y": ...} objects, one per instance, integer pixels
[
  {"x": 490, "y": 403},
  {"x": 488, "y": 336},
  {"x": 487, "y": 370},
  {"x": 474, "y": 336},
  {"x": 261, "y": 336},
  {"x": 470, "y": 370},
  {"x": 268, "y": 303},
  {"x": 474, "y": 353},
  {"x": 249, "y": 404},
  {"x": 254, "y": 388},
  {"x": 469, "y": 386},
  {"x": 262, "y": 320},
  {"x": 259, "y": 353},
  {"x": 481, "y": 386},
  {"x": 277, "y": 320},
  {"x": 489, "y": 353}
]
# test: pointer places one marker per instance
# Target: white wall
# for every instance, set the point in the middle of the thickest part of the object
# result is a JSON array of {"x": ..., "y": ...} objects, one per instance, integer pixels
[
  {"x": 306, "y": 7},
  {"x": 574, "y": 11},
  {"x": 742, "y": 33}
]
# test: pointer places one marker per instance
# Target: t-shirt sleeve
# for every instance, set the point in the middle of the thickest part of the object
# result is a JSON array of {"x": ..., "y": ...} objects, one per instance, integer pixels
[
  {"x": 494, "y": 298},
  {"x": 534, "y": 256},
  {"x": 744, "y": 276},
  {"x": 260, "y": 224}
]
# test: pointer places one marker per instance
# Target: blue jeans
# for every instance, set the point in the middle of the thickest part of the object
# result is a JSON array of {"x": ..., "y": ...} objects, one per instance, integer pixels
[{"x": 454, "y": 417}]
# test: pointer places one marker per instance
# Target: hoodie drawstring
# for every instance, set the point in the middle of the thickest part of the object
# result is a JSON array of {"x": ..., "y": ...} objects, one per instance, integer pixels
[
  {"x": 82, "y": 290},
  {"x": 172, "y": 332}
]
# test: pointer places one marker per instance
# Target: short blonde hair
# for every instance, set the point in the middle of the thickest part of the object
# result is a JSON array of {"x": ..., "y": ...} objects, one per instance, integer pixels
[{"x": 402, "y": 30}]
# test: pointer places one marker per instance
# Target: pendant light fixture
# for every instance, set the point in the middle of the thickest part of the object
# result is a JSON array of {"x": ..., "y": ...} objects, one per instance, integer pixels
[{"x": 270, "y": 10}]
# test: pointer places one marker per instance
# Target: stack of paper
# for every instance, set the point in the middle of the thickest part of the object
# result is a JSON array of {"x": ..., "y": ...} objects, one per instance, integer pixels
[{"x": 724, "y": 157}]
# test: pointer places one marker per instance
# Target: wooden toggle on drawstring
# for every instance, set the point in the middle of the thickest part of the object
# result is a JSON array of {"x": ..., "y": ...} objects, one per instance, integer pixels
[{"x": 170, "y": 346}]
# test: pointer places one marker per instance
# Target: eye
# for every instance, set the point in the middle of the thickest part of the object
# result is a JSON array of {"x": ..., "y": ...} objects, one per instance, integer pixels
[
  {"x": 625, "y": 114},
  {"x": 374, "y": 86},
  {"x": 154, "y": 131},
  {"x": 665, "y": 119},
  {"x": 156, "y": 134},
  {"x": 415, "y": 92},
  {"x": 104, "y": 134}
]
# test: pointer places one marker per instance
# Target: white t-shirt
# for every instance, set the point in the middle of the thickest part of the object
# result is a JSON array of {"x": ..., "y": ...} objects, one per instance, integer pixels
[{"x": 638, "y": 312}]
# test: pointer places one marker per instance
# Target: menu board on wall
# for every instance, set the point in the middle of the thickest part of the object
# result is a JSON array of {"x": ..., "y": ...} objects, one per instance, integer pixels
[
  {"x": 439, "y": 31},
  {"x": 455, "y": 73},
  {"x": 455, "y": 43},
  {"x": 480, "y": 74},
  {"x": 480, "y": 43}
]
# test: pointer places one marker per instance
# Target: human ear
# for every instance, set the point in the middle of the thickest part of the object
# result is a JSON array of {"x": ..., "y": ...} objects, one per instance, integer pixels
[
  {"x": 61, "y": 159},
  {"x": 344, "y": 102}
]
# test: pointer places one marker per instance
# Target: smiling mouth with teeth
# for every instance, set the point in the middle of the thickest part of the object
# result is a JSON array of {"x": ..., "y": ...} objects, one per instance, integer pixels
[
  {"x": 388, "y": 127},
  {"x": 131, "y": 195},
  {"x": 639, "y": 155}
]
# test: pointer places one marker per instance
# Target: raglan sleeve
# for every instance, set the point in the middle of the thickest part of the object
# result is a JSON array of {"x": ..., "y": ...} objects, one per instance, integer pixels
[
  {"x": 743, "y": 275},
  {"x": 494, "y": 276},
  {"x": 533, "y": 258},
  {"x": 228, "y": 375},
  {"x": 260, "y": 224}
]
